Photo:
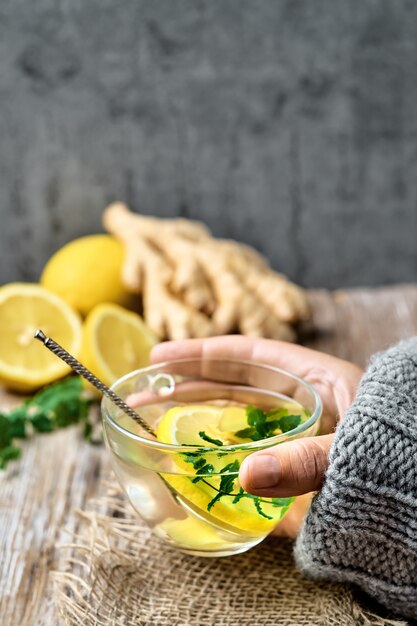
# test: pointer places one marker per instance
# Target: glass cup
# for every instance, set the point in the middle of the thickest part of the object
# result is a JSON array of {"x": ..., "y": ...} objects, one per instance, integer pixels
[{"x": 190, "y": 494}]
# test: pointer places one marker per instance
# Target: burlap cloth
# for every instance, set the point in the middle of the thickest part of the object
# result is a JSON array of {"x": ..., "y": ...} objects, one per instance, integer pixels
[{"x": 115, "y": 572}]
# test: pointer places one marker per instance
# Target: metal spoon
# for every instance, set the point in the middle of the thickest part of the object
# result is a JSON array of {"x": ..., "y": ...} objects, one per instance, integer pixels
[{"x": 80, "y": 369}]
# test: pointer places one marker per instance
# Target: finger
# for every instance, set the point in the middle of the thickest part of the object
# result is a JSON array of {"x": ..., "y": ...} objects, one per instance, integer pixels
[
  {"x": 334, "y": 379},
  {"x": 290, "y": 469},
  {"x": 295, "y": 358},
  {"x": 213, "y": 353},
  {"x": 214, "y": 347}
]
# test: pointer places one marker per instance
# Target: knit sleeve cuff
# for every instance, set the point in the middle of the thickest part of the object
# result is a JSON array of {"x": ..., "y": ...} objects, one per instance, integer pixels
[{"x": 362, "y": 526}]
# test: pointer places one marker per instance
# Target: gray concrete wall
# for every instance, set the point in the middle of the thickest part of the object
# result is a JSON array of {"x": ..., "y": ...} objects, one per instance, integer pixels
[{"x": 288, "y": 124}]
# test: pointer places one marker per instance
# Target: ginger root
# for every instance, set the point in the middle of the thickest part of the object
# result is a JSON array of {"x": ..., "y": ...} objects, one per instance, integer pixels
[{"x": 193, "y": 285}]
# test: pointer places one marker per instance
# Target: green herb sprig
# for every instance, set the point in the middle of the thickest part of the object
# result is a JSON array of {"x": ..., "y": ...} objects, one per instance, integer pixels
[
  {"x": 261, "y": 426},
  {"x": 215, "y": 442},
  {"x": 227, "y": 483},
  {"x": 57, "y": 406}
]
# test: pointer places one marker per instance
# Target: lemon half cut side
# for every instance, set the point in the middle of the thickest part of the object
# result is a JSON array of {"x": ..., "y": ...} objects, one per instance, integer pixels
[
  {"x": 115, "y": 342},
  {"x": 25, "y": 365}
]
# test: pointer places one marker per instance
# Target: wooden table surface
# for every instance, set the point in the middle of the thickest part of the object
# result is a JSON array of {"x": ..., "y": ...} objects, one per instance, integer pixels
[{"x": 59, "y": 472}]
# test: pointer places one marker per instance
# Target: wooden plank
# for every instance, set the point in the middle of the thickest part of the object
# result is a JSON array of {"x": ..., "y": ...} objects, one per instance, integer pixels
[
  {"x": 353, "y": 324},
  {"x": 58, "y": 473}
]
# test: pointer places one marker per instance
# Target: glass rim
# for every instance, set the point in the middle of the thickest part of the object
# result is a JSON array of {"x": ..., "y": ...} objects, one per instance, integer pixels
[{"x": 251, "y": 446}]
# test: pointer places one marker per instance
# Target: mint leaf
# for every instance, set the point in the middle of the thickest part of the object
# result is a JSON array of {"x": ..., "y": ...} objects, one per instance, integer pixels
[
  {"x": 272, "y": 425},
  {"x": 278, "y": 502},
  {"x": 258, "y": 507},
  {"x": 214, "y": 500},
  {"x": 204, "y": 436},
  {"x": 238, "y": 496},
  {"x": 247, "y": 433},
  {"x": 264, "y": 425},
  {"x": 226, "y": 482},
  {"x": 199, "y": 463},
  {"x": 257, "y": 419},
  {"x": 289, "y": 422},
  {"x": 261, "y": 426},
  {"x": 190, "y": 457},
  {"x": 203, "y": 470}
]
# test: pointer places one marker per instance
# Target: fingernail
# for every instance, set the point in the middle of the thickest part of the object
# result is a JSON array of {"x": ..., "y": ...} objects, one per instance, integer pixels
[{"x": 261, "y": 471}]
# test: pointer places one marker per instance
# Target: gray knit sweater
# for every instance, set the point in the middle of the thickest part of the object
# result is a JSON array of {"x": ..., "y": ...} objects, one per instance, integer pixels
[{"x": 362, "y": 526}]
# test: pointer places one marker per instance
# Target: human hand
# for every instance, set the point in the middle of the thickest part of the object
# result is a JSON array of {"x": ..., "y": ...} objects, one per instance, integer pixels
[{"x": 295, "y": 467}]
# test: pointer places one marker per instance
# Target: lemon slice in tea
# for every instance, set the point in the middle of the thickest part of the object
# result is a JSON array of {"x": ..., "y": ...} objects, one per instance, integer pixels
[{"x": 184, "y": 425}]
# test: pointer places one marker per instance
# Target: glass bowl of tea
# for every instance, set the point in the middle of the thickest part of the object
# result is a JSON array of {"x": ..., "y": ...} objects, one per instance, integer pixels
[{"x": 206, "y": 416}]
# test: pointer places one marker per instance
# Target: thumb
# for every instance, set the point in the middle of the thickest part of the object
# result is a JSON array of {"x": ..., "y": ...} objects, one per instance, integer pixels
[{"x": 289, "y": 469}]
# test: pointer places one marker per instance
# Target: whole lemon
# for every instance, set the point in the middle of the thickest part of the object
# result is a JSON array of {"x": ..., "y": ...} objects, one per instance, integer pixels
[{"x": 86, "y": 272}]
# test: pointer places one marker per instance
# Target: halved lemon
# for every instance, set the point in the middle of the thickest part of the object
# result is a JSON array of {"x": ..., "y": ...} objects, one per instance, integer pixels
[
  {"x": 182, "y": 425},
  {"x": 115, "y": 342},
  {"x": 25, "y": 364}
]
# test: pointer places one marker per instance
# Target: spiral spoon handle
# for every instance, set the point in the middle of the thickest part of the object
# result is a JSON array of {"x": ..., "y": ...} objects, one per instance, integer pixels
[{"x": 80, "y": 369}]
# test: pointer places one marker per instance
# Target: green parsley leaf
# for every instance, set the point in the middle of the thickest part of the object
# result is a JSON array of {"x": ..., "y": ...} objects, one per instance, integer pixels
[
  {"x": 56, "y": 406},
  {"x": 9, "y": 453}
]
